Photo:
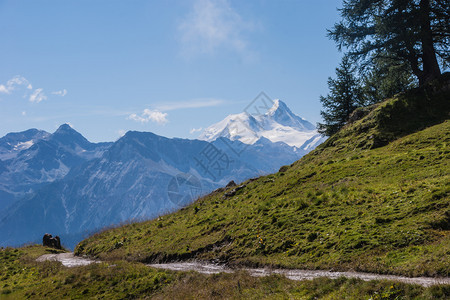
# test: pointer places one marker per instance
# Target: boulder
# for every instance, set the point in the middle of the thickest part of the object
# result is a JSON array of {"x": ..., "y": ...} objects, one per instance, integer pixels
[
  {"x": 234, "y": 191},
  {"x": 231, "y": 184}
]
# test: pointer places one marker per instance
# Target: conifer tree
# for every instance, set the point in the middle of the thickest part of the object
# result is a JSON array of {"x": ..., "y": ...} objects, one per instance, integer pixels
[
  {"x": 415, "y": 32},
  {"x": 344, "y": 97},
  {"x": 384, "y": 79}
]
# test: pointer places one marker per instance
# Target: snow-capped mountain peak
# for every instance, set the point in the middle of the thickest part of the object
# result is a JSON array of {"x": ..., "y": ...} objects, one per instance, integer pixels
[
  {"x": 281, "y": 114},
  {"x": 278, "y": 124}
]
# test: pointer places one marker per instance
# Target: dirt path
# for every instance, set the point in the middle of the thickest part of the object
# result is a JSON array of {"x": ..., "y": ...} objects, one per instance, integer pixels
[
  {"x": 69, "y": 260},
  {"x": 296, "y": 274}
]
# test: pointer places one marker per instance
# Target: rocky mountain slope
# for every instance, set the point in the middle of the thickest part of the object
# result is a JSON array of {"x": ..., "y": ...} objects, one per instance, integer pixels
[{"x": 34, "y": 158}]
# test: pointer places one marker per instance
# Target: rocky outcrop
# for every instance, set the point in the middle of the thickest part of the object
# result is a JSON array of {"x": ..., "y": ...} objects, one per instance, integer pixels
[{"x": 49, "y": 241}]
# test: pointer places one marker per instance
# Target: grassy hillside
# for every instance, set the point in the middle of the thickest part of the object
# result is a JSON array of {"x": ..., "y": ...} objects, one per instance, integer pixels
[
  {"x": 21, "y": 277},
  {"x": 374, "y": 197}
]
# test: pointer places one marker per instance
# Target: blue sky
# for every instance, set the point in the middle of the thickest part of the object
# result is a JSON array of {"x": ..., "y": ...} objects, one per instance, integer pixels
[{"x": 168, "y": 67}]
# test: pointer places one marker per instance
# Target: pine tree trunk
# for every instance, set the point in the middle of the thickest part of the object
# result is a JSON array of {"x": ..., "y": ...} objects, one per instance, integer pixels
[{"x": 431, "y": 68}]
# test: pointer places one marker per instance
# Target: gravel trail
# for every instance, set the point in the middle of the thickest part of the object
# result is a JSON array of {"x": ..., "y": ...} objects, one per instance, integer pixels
[{"x": 69, "y": 260}]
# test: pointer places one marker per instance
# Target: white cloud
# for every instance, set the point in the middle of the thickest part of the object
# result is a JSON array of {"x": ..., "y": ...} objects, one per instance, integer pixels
[
  {"x": 13, "y": 83},
  {"x": 197, "y": 103},
  {"x": 38, "y": 95},
  {"x": 194, "y": 130},
  {"x": 19, "y": 81},
  {"x": 24, "y": 113},
  {"x": 213, "y": 24},
  {"x": 121, "y": 132},
  {"x": 61, "y": 93},
  {"x": 150, "y": 115}
]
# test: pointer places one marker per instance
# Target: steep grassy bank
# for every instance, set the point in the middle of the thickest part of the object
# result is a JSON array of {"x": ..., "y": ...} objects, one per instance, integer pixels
[
  {"x": 374, "y": 197},
  {"x": 21, "y": 277}
]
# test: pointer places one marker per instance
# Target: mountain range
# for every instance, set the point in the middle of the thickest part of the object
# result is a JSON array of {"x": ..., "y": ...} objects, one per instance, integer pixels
[
  {"x": 33, "y": 158},
  {"x": 63, "y": 184}
]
